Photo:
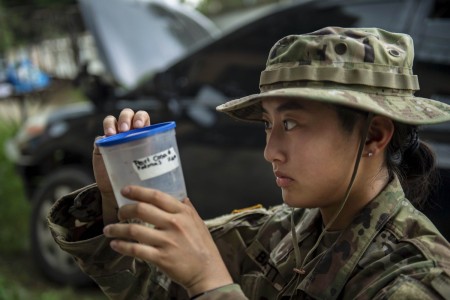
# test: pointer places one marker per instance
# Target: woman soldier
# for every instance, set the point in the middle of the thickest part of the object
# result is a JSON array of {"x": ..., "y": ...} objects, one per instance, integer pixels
[{"x": 341, "y": 126}]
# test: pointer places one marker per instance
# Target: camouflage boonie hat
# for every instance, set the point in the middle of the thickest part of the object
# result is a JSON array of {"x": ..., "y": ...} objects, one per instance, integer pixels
[{"x": 365, "y": 68}]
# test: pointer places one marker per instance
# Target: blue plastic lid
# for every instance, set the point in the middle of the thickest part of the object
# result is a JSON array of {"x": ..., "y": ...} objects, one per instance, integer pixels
[{"x": 135, "y": 134}]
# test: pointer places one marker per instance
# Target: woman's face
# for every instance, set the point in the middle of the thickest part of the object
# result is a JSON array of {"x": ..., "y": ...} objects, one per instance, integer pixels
[{"x": 311, "y": 154}]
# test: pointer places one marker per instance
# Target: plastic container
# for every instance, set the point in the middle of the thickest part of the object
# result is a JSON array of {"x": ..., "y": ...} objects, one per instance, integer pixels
[{"x": 147, "y": 157}]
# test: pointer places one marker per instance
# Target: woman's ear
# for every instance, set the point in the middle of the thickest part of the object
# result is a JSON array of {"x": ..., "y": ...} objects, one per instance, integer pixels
[{"x": 380, "y": 133}]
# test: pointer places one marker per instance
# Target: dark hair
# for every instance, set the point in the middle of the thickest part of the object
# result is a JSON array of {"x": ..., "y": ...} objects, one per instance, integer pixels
[
  {"x": 406, "y": 156},
  {"x": 412, "y": 161}
]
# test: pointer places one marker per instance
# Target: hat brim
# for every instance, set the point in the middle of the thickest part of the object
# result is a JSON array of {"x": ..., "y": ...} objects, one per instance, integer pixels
[{"x": 406, "y": 109}]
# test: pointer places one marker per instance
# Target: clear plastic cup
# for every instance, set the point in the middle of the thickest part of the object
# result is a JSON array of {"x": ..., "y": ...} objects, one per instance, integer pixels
[{"x": 147, "y": 157}]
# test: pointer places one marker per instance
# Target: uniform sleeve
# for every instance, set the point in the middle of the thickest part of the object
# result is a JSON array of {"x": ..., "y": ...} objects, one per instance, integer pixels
[
  {"x": 123, "y": 277},
  {"x": 408, "y": 287},
  {"x": 119, "y": 277},
  {"x": 228, "y": 292}
]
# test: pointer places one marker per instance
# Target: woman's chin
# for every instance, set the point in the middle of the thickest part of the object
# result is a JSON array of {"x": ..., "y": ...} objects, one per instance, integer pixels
[
  {"x": 296, "y": 201},
  {"x": 290, "y": 201}
]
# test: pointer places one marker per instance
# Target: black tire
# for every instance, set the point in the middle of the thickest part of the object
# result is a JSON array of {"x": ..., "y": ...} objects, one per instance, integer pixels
[{"x": 54, "y": 263}]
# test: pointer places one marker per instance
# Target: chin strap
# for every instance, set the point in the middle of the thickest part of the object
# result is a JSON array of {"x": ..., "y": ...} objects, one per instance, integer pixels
[{"x": 299, "y": 270}]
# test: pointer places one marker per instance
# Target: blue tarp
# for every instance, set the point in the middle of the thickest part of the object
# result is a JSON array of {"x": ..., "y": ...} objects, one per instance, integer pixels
[{"x": 25, "y": 77}]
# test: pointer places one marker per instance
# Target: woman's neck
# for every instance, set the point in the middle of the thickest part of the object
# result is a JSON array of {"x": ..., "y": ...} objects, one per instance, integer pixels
[{"x": 364, "y": 190}]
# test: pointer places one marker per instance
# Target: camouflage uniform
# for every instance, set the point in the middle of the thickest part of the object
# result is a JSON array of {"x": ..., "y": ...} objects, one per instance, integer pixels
[{"x": 389, "y": 251}]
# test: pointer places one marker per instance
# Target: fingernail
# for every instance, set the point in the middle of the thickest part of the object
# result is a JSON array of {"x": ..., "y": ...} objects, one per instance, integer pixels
[
  {"x": 138, "y": 124},
  {"x": 113, "y": 245},
  {"x": 110, "y": 131},
  {"x": 124, "y": 127},
  {"x": 106, "y": 230},
  {"x": 125, "y": 191}
]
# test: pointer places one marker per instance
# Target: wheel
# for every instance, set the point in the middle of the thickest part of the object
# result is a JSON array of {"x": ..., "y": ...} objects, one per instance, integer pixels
[{"x": 56, "y": 264}]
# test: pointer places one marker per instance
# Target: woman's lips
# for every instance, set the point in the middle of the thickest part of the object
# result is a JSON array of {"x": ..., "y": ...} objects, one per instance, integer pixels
[{"x": 282, "y": 180}]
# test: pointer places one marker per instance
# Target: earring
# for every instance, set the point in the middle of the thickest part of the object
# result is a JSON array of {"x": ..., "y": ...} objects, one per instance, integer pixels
[{"x": 370, "y": 154}]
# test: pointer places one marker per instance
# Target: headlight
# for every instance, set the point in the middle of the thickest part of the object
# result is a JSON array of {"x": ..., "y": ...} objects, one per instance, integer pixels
[{"x": 35, "y": 125}]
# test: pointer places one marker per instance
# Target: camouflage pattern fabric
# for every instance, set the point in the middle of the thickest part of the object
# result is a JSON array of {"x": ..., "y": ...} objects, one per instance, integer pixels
[
  {"x": 390, "y": 251},
  {"x": 366, "y": 68}
]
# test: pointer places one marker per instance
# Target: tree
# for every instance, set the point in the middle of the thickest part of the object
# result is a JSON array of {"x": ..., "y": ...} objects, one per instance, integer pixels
[{"x": 31, "y": 21}]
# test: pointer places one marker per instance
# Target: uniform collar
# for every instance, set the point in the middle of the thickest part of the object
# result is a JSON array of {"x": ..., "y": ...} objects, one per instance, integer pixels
[{"x": 327, "y": 274}]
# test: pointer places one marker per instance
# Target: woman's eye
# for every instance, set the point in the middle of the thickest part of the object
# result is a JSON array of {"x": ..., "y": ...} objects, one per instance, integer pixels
[
  {"x": 267, "y": 125},
  {"x": 288, "y": 125}
]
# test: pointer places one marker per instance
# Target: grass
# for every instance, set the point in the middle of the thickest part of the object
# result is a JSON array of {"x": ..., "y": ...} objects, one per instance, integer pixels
[
  {"x": 15, "y": 211},
  {"x": 12, "y": 290},
  {"x": 19, "y": 278},
  {"x": 14, "y": 215}
]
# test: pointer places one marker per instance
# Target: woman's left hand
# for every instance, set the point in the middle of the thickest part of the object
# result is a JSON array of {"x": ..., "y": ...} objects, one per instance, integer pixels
[{"x": 179, "y": 244}]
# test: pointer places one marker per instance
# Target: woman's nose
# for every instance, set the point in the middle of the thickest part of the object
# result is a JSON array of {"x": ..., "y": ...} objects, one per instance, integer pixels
[{"x": 273, "y": 150}]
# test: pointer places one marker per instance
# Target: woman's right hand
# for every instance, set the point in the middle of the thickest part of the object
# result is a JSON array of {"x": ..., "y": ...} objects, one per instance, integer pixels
[{"x": 128, "y": 119}]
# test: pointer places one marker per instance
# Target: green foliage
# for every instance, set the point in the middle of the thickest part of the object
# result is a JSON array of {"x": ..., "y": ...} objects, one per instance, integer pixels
[
  {"x": 12, "y": 290},
  {"x": 12, "y": 3},
  {"x": 15, "y": 211},
  {"x": 20, "y": 278},
  {"x": 28, "y": 22},
  {"x": 17, "y": 281}
]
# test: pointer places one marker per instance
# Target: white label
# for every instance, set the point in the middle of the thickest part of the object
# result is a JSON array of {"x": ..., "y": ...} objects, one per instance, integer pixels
[{"x": 156, "y": 164}]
